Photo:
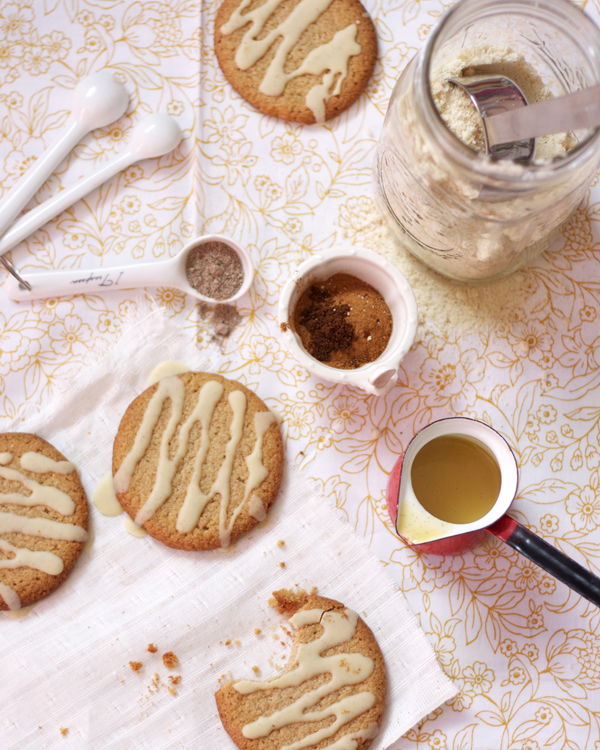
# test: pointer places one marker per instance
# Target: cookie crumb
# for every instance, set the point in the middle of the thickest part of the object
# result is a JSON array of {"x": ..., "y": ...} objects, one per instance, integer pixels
[
  {"x": 135, "y": 665},
  {"x": 228, "y": 642},
  {"x": 256, "y": 670},
  {"x": 282, "y": 565},
  {"x": 152, "y": 648},
  {"x": 64, "y": 731},
  {"x": 257, "y": 631},
  {"x": 174, "y": 681},
  {"x": 237, "y": 642},
  {"x": 170, "y": 660},
  {"x": 280, "y": 543}
]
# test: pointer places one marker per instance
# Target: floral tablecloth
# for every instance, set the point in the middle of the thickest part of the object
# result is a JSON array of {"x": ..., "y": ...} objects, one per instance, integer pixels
[{"x": 523, "y": 355}]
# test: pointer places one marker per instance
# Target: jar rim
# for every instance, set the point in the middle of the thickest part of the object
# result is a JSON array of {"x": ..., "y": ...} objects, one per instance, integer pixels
[{"x": 462, "y": 154}]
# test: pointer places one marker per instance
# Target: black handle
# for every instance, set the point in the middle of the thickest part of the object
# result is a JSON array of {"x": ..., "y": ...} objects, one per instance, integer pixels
[{"x": 549, "y": 558}]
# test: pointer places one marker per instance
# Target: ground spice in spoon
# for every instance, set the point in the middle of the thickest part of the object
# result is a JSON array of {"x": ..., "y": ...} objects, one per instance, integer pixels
[
  {"x": 343, "y": 322},
  {"x": 215, "y": 270}
]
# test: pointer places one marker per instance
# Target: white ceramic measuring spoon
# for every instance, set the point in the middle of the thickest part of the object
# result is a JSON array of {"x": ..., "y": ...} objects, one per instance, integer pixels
[
  {"x": 153, "y": 136},
  {"x": 169, "y": 272},
  {"x": 97, "y": 101}
]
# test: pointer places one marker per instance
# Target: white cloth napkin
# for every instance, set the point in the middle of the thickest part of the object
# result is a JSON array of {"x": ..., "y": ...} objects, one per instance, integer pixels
[{"x": 65, "y": 664}]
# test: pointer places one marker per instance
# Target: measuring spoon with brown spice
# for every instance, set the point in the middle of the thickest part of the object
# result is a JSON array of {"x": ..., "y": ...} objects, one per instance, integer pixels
[{"x": 212, "y": 268}]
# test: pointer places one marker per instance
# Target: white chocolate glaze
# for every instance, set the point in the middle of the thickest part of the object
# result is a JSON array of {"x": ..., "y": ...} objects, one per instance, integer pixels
[
  {"x": 350, "y": 741},
  {"x": 104, "y": 497},
  {"x": 195, "y": 500},
  {"x": 46, "y": 562},
  {"x": 165, "y": 370},
  {"x": 40, "y": 464},
  {"x": 10, "y": 522},
  {"x": 345, "y": 669},
  {"x": 12, "y": 599},
  {"x": 18, "y": 613},
  {"x": 171, "y": 387},
  {"x": 90, "y": 536},
  {"x": 330, "y": 59},
  {"x": 41, "y": 494},
  {"x": 257, "y": 471},
  {"x": 222, "y": 484},
  {"x": 132, "y": 528},
  {"x": 256, "y": 508}
]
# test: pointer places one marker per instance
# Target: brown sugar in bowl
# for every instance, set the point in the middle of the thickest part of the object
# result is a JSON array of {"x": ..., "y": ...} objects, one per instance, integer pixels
[{"x": 376, "y": 377}]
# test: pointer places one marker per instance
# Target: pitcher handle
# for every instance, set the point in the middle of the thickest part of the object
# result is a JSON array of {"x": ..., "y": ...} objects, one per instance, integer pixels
[{"x": 548, "y": 557}]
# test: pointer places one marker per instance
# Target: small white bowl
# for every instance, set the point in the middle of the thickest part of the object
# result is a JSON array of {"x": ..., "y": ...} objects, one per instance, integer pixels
[{"x": 377, "y": 377}]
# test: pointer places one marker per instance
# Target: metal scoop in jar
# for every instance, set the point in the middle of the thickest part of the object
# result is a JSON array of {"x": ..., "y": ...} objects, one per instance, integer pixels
[{"x": 511, "y": 125}]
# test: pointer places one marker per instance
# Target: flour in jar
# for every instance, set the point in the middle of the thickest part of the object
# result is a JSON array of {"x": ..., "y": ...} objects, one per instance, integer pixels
[
  {"x": 468, "y": 217},
  {"x": 459, "y": 113}
]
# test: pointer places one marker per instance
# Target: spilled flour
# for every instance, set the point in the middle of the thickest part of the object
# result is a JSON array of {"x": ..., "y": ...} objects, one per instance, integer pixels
[{"x": 446, "y": 306}]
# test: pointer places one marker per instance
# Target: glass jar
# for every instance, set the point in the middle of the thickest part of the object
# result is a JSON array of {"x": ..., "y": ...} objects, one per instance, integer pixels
[{"x": 466, "y": 216}]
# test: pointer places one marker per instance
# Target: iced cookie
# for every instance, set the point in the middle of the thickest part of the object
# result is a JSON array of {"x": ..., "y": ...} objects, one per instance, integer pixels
[
  {"x": 302, "y": 60},
  {"x": 43, "y": 519},
  {"x": 335, "y": 672},
  {"x": 197, "y": 460}
]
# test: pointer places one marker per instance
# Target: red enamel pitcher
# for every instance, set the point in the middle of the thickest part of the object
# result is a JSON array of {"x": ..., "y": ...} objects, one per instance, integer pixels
[{"x": 431, "y": 535}]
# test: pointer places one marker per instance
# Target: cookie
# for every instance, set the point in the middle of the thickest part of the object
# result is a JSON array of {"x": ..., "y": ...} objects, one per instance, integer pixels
[
  {"x": 197, "y": 460},
  {"x": 43, "y": 519},
  {"x": 301, "y": 60},
  {"x": 336, "y": 671}
]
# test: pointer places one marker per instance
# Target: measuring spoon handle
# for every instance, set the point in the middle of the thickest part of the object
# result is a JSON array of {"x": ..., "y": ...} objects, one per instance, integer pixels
[
  {"x": 51, "y": 208},
  {"x": 61, "y": 283},
  {"x": 575, "y": 111},
  {"x": 548, "y": 557},
  {"x": 20, "y": 194}
]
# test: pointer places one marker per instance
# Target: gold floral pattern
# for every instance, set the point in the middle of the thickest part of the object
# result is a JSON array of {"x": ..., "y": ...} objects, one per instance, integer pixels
[{"x": 523, "y": 651}]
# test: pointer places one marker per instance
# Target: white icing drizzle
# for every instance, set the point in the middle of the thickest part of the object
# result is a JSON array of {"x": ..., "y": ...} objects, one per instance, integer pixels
[
  {"x": 132, "y": 528},
  {"x": 165, "y": 370},
  {"x": 345, "y": 669},
  {"x": 173, "y": 388},
  {"x": 46, "y": 562},
  {"x": 350, "y": 741},
  {"x": 41, "y": 494},
  {"x": 195, "y": 500},
  {"x": 257, "y": 471},
  {"x": 256, "y": 508},
  {"x": 330, "y": 59},
  {"x": 51, "y": 497},
  {"x": 40, "y": 464},
  {"x": 18, "y": 613},
  {"x": 12, "y": 599},
  {"x": 104, "y": 497},
  {"x": 237, "y": 401},
  {"x": 10, "y": 522}
]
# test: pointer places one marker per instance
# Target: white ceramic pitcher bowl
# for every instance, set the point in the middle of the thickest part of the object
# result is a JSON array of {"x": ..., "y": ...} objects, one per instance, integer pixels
[{"x": 377, "y": 377}]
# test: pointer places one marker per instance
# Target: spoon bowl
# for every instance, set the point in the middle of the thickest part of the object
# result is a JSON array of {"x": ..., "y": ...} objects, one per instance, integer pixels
[{"x": 171, "y": 272}]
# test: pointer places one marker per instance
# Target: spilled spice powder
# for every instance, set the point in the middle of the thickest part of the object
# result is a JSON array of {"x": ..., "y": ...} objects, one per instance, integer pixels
[
  {"x": 215, "y": 270},
  {"x": 343, "y": 322},
  {"x": 223, "y": 319}
]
